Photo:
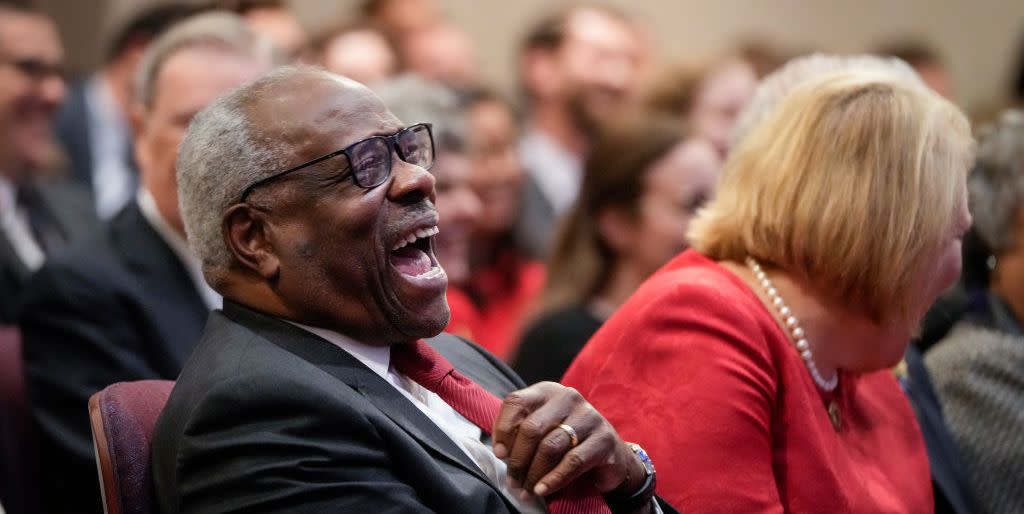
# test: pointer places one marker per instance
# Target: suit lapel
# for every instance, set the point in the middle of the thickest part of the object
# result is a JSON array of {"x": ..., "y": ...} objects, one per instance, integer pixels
[
  {"x": 156, "y": 268},
  {"x": 346, "y": 368}
]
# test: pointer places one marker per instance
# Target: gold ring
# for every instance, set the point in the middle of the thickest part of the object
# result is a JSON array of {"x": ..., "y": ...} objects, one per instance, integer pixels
[{"x": 573, "y": 439}]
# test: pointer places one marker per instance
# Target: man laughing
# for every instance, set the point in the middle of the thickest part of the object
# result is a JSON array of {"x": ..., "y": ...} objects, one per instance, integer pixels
[{"x": 323, "y": 386}]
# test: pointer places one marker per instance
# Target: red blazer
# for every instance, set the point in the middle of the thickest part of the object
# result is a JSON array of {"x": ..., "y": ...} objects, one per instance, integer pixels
[{"x": 696, "y": 370}]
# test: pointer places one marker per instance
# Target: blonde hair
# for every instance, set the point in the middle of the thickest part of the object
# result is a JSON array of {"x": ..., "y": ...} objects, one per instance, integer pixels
[{"x": 849, "y": 184}]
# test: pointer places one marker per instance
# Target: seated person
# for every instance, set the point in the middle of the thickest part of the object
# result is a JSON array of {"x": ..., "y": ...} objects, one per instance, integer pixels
[
  {"x": 129, "y": 302},
  {"x": 978, "y": 367},
  {"x": 644, "y": 179},
  {"x": 313, "y": 390}
]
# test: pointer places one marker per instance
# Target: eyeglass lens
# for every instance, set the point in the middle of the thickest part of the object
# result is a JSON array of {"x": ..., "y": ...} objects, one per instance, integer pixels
[{"x": 371, "y": 159}]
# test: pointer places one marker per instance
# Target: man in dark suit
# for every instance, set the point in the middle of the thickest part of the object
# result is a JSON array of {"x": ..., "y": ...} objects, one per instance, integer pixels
[
  {"x": 38, "y": 217},
  {"x": 313, "y": 390},
  {"x": 129, "y": 302},
  {"x": 93, "y": 124}
]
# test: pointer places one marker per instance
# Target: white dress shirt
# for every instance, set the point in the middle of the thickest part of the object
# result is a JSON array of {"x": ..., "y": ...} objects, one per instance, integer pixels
[
  {"x": 15, "y": 226},
  {"x": 462, "y": 432},
  {"x": 180, "y": 248},
  {"x": 113, "y": 180},
  {"x": 557, "y": 172}
]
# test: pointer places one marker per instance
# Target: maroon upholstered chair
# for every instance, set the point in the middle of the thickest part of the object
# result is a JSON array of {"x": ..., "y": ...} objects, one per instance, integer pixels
[
  {"x": 123, "y": 417},
  {"x": 18, "y": 474}
]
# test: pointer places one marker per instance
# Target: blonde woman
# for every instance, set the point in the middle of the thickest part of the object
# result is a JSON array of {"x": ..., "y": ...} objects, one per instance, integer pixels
[{"x": 760, "y": 358}]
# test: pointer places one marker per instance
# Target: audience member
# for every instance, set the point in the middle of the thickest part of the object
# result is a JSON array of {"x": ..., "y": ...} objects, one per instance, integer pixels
[
  {"x": 504, "y": 282},
  {"x": 416, "y": 100},
  {"x": 708, "y": 97},
  {"x": 836, "y": 224},
  {"x": 359, "y": 52},
  {"x": 926, "y": 61},
  {"x": 93, "y": 124},
  {"x": 129, "y": 302},
  {"x": 578, "y": 66},
  {"x": 978, "y": 367},
  {"x": 951, "y": 489},
  {"x": 313, "y": 390},
  {"x": 643, "y": 182},
  {"x": 275, "y": 20},
  {"x": 398, "y": 18},
  {"x": 39, "y": 216},
  {"x": 441, "y": 52}
]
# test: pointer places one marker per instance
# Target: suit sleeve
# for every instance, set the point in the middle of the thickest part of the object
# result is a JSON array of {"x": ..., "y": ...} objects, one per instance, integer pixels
[
  {"x": 286, "y": 451},
  {"x": 688, "y": 376},
  {"x": 77, "y": 340}
]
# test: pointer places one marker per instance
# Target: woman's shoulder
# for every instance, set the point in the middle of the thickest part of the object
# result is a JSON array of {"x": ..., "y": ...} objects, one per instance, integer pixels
[{"x": 695, "y": 281}]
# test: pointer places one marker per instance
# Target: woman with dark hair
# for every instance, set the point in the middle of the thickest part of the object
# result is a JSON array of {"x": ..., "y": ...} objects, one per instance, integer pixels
[
  {"x": 504, "y": 282},
  {"x": 644, "y": 180}
]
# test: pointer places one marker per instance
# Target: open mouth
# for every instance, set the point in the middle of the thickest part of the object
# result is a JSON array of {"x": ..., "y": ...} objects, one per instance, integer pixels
[{"x": 412, "y": 255}]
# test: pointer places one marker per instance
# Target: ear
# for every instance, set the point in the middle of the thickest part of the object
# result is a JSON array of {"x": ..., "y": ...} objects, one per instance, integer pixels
[
  {"x": 246, "y": 235},
  {"x": 137, "y": 122},
  {"x": 617, "y": 227}
]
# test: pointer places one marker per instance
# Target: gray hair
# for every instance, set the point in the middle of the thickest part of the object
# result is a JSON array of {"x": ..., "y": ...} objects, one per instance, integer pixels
[
  {"x": 222, "y": 154},
  {"x": 415, "y": 100},
  {"x": 996, "y": 186},
  {"x": 780, "y": 83},
  {"x": 218, "y": 29}
]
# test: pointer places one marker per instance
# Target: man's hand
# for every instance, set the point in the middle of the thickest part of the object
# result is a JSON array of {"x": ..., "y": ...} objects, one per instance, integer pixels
[{"x": 540, "y": 455}]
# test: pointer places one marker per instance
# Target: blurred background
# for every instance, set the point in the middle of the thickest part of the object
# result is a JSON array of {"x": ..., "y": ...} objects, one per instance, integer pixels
[{"x": 979, "y": 40}]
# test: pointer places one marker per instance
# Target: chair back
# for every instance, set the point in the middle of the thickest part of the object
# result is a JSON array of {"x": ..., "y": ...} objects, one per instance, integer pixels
[
  {"x": 18, "y": 475},
  {"x": 123, "y": 417}
]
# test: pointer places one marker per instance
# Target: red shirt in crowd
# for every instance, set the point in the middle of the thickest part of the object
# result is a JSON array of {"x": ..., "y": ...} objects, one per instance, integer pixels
[
  {"x": 504, "y": 294},
  {"x": 696, "y": 370}
]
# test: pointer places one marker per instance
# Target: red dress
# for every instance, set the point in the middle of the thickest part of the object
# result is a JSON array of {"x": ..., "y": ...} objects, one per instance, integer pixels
[{"x": 697, "y": 371}]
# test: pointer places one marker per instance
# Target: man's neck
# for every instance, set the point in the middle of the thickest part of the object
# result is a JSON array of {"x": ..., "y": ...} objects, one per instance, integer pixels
[{"x": 555, "y": 122}]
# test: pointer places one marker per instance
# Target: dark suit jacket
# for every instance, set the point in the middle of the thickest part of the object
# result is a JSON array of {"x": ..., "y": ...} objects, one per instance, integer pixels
[
  {"x": 536, "y": 227},
  {"x": 119, "y": 306},
  {"x": 953, "y": 494},
  {"x": 70, "y": 205},
  {"x": 72, "y": 130},
  {"x": 267, "y": 417}
]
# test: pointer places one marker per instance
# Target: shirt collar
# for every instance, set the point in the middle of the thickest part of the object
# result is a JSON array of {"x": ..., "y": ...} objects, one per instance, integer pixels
[{"x": 377, "y": 358}]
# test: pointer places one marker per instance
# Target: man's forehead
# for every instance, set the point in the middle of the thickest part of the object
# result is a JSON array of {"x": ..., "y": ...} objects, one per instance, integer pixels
[
  {"x": 325, "y": 104},
  {"x": 25, "y": 34}
]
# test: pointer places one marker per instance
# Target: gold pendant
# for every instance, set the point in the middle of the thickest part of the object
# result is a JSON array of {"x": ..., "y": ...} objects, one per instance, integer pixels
[{"x": 833, "y": 414}]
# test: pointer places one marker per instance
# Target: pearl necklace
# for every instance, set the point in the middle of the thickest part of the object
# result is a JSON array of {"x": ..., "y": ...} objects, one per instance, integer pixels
[{"x": 793, "y": 325}]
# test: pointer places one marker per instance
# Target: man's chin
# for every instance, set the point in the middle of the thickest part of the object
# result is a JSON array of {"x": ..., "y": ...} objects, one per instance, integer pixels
[{"x": 423, "y": 325}]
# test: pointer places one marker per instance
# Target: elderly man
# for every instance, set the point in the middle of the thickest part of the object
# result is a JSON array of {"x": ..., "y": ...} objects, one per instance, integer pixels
[
  {"x": 578, "y": 66},
  {"x": 37, "y": 218},
  {"x": 313, "y": 390},
  {"x": 130, "y": 302}
]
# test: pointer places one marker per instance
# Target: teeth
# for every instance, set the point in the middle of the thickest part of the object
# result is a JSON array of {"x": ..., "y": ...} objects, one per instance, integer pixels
[{"x": 418, "y": 234}]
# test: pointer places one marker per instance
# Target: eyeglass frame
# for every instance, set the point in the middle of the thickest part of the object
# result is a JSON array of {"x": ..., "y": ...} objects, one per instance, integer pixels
[{"x": 391, "y": 141}]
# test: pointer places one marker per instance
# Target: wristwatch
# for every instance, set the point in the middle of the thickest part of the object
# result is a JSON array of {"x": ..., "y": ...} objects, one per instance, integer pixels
[{"x": 628, "y": 503}]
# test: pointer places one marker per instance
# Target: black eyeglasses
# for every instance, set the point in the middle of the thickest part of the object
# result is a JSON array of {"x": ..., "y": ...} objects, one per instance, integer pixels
[{"x": 369, "y": 160}]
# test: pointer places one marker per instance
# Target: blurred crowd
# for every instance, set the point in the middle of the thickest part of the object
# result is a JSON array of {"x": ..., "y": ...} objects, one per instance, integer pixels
[{"x": 554, "y": 207}]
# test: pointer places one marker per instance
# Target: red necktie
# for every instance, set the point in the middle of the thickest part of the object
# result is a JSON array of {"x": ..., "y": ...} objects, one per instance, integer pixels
[{"x": 423, "y": 364}]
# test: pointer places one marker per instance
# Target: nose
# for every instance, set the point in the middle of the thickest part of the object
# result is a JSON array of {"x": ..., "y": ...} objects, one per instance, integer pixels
[
  {"x": 409, "y": 183},
  {"x": 53, "y": 89}
]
